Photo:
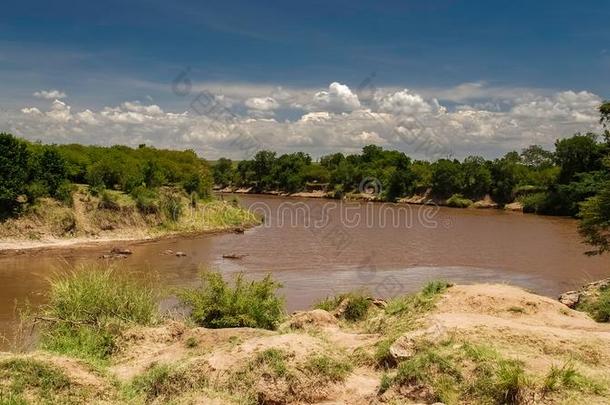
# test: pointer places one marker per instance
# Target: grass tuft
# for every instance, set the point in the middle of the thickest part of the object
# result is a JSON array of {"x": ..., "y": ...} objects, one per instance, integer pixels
[
  {"x": 356, "y": 305},
  {"x": 418, "y": 303},
  {"x": 247, "y": 304},
  {"x": 165, "y": 381},
  {"x": 328, "y": 368},
  {"x": 26, "y": 378},
  {"x": 88, "y": 308},
  {"x": 567, "y": 377}
]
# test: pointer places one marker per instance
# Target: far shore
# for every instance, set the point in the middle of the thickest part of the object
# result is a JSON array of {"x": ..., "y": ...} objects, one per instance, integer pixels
[
  {"x": 425, "y": 199},
  {"x": 16, "y": 247}
]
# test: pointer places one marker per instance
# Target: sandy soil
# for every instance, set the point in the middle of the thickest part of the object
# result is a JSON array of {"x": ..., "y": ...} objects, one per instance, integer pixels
[{"x": 536, "y": 330}]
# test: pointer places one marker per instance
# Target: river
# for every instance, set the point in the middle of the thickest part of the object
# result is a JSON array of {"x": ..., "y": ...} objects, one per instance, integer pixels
[{"x": 316, "y": 248}]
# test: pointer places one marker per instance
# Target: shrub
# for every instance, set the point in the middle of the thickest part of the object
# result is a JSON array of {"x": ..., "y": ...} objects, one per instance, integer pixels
[
  {"x": 64, "y": 192},
  {"x": 108, "y": 201},
  {"x": 147, "y": 200},
  {"x": 598, "y": 307},
  {"x": 247, "y": 304},
  {"x": 435, "y": 287},
  {"x": 356, "y": 308},
  {"x": 89, "y": 307},
  {"x": 172, "y": 206},
  {"x": 458, "y": 201},
  {"x": 535, "y": 202}
]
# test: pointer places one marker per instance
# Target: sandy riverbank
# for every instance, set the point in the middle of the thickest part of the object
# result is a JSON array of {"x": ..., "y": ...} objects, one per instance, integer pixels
[{"x": 468, "y": 344}]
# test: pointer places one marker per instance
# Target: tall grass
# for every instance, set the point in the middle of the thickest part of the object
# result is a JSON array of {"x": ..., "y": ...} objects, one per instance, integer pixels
[
  {"x": 89, "y": 306},
  {"x": 217, "y": 304}
]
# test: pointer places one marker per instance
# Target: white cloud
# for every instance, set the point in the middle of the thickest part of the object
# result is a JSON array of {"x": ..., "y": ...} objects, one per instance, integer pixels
[
  {"x": 60, "y": 111},
  {"x": 135, "y": 106},
  {"x": 404, "y": 102},
  {"x": 30, "y": 110},
  {"x": 338, "y": 98},
  {"x": 50, "y": 94},
  {"x": 331, "y": 120},
  {"x": 262, "y": 103}
]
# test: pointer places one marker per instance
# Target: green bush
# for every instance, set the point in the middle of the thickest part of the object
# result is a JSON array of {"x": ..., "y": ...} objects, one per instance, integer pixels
[
  {"x": 88, "y": 307},
  {"x": 246, "y": 304},
  {"x": 357, "y": 305},
  {"x": 171, "y": 203},
  {"x": 598, "y": 307},
  {"x": 535, "y": 202},
  {"x": 108, "y": 201},
  {"x": 147, "y": 200},
  {"x": 458, "y": 201},
  {"x": 64, "y": 192}
]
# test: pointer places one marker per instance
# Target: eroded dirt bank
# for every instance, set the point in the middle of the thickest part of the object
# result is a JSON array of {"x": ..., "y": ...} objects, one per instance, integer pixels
[{"x": 467, "y": 344}]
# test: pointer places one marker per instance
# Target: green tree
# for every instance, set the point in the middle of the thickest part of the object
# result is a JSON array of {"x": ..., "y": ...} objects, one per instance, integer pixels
[
  {"x": 536, "y": 157},
  {"x": 152, "y": 174},
  {"x": 604, "y": 112},
  {"x": 13, "y": 172},
  {"x": 578, "y": 154},
  {"x": 506, "y": 174},
  {"x": 262, "y": 167},
  {"x": 53, "y": 170},
  {"x": 446, "y": 178},
  {"x": 401, "y": 180},
  {"x": 476, "y": 177},
  {"x": 595, "y": 223},
  {"x": 223, "y": 172}
]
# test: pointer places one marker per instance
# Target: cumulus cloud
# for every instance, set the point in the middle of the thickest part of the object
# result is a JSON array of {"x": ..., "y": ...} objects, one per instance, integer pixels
[
  {"x": 50, "y": 94},
  {"x": 262, "y": 103},
  {"x": 30, "y": 110},
  {"x": 404, "y": 102},
  {"x": 338, "y": 98},
  {"x": 320, "y": 122}
]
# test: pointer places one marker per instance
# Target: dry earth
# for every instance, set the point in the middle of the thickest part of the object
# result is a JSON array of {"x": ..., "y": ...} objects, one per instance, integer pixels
[{"x": 231, "y": 366}]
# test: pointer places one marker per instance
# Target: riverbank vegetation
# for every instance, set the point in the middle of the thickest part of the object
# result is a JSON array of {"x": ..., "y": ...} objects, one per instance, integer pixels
[
  {"x": 70, "y": 191},
  {"x": 103, "y": 339}
]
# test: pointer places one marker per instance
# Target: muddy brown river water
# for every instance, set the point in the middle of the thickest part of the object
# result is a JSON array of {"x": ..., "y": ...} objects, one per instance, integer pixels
[{"x": 321, "y": 247}]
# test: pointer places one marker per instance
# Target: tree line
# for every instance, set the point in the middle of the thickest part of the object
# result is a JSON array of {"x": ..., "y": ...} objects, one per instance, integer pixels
[{"x": 31, "y": 170}]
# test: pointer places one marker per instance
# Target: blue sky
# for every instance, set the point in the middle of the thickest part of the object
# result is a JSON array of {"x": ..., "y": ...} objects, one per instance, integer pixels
[{"x": 485, "y": 55}]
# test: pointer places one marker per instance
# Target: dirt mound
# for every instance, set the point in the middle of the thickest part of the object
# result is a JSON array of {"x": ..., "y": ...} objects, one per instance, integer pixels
[
  {"x": 142, "y": 347},
  {"x": 538, "y": 330}
]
